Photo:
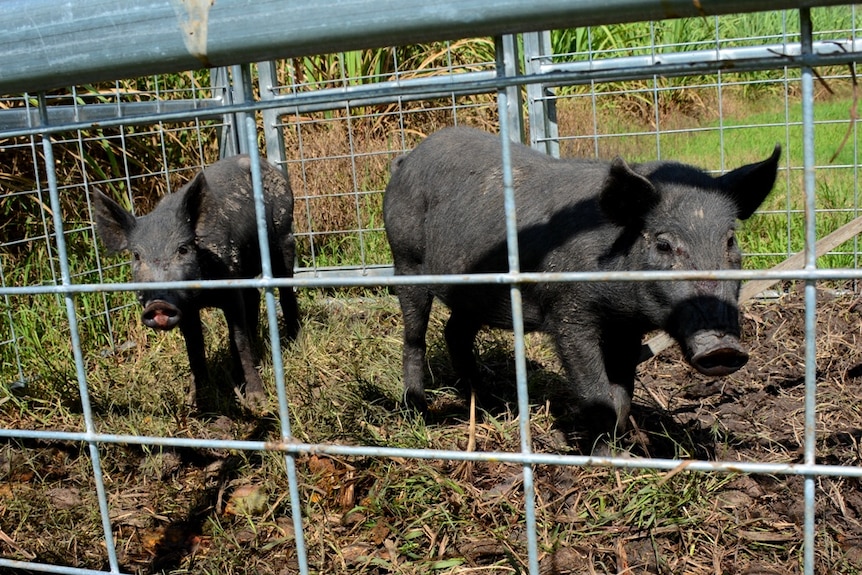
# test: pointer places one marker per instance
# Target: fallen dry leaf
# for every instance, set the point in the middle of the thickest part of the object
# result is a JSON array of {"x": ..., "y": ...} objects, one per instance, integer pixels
[
  {"x": 247, "y": 500},
  {"x": 65, "y": 497}
]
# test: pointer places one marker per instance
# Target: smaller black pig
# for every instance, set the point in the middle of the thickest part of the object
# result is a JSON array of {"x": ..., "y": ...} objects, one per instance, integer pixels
[
  {"x": 207, "y": 231},
  {"x": 443, "y": 212}
]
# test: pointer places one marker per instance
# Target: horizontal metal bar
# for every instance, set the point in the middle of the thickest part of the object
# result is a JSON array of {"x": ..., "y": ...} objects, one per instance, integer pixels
[
  {"x": 519, "y": 457},
  {"x": 381, "y": 270},
  {"x": 327, "y": 99},
  {"x": 24, "y": 122},
  {"x": 49, "y": 44},
  {"x": 404, "y": 90},
  {"x": 742, "y": 59},
  {"x": 48, "y": 568},
  {"x": 380, "y": 278},
  {"x": 17, "y": 118},
  {"x": 767, "y": 56}
]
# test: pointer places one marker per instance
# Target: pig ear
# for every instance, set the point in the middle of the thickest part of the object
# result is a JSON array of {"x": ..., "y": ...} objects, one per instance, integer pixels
[
  {"x": 396, "y": 163},
  {"x": 626, "y": 196},
  {"x": 113, "y": 222},
  {"x": 749, "y": 185},
  {"x": 193, "y": 193}
]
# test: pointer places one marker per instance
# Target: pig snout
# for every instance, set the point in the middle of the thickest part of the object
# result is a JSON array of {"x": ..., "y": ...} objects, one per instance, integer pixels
[
  {"x": 160, "y": 314},
  {"x": 715, "y": 353}
]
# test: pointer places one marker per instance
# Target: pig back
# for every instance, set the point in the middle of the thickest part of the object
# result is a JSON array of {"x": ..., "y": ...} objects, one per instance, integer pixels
[
  {"x": 444, "y": 214},
  {"x": 444, "y": 204},
  {"x": 226, "y": 228}
]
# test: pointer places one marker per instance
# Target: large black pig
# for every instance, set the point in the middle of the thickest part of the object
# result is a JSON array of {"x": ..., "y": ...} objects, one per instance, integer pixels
[
  {"x": 207, "y": 230},
  {"x": 444, "y": 214}
]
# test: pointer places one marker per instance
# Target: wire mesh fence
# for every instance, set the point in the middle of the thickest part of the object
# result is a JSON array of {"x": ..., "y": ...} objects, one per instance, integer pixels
[{"x": 335, "y": 475}]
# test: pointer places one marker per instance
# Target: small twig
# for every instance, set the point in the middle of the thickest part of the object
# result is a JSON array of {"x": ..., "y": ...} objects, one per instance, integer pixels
[
  {"x": 681, "y": 467},
  {"x": 11, "y": 543},
  {"x": 465, "y": 468},
  {"x": 854, "y": 113}
]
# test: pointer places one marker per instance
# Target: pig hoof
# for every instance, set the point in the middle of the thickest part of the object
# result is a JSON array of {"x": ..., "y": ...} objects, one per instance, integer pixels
[
  {"x": 254, "y": 401},
  {"x": 416, "y": 401},
  {"x": 601, "y": 448},
  {"x": 604, "y": 447}
]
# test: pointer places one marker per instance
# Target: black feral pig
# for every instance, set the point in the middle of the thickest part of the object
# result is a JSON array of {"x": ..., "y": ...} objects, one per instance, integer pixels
[
  {"x": 205, "y": 231},
  {"x": 443, "y": 211}
]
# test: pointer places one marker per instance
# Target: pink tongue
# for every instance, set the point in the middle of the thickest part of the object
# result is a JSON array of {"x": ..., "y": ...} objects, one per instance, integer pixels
[{"x": 161, "y": 318}]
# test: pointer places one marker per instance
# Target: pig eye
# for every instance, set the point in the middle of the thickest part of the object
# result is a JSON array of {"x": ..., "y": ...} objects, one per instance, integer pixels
[
  {"x": 663, "y": 246},
  {"x": 731, "y": 242},
  {"x": 136, "y": 256},
  {"x": 183, "y": 250}
]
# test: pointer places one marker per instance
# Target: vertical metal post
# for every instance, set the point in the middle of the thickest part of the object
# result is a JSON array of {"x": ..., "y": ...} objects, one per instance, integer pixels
[
  {"x": 507, "y": 48},
  {"x": 273, "y": 135},
  {"x": 74, "y": 334},
  {"x": 810, "y": 292},
  {"x": 227, "y": 134},
  {"x": 242, "y": 92},
  {"x": 275, "y": 342},
  {"x": 541, "y": 103},
  {"x": 506, "y": 138}
]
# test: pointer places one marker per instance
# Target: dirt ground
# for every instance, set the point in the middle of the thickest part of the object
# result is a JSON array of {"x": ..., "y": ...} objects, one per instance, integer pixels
[
  {"x": 757, "y": 414},
  {"x": 201, "y": 511},
  {"x": 754, "y": 525}
]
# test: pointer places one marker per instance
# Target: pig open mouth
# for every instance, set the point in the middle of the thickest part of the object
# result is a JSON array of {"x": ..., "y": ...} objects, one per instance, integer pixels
[
  {"x": 715, "y": 354},
  {"x": 159, "y": 314}
]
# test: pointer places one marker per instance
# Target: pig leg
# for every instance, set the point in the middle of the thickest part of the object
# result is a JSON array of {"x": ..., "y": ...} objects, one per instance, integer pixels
[
  {"x": 601, "y": 405},
  {"x": 416, "y": 308},
  {"x": 283, "y": 268},
  {"x": 242, "y": 353},
  {"x": 621, "y": 351},
  {"x": 460, "y": 334},
  {"x": 290, "y": 311},
  {"x": 251, "y": 303},
  {"x": 192, "y": 331}
]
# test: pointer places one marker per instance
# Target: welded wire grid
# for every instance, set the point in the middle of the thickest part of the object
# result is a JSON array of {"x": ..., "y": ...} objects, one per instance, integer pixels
[
  {"x": 299, "y": 103},
  {"x": 649, "y": 88},
  {"x": 352, "y": 168},
  {"x": 125, "y": 162}
]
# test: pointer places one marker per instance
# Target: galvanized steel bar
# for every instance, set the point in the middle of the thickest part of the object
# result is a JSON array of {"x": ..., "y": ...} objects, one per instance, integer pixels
[
  {"x": 726, "y": 59},
  {"x": 243, "y": 91},
  {"x": 21, "y": 118},
  {"x": 220, "y": 83},
  {"x": 541, "y": 105},
  {"x": 516, "y": 457},
  {"x": 14, "y": 122},
  {"x": 49, "y": 44},
  {"x": 77, "y": 349},
  {"x": 371, "y": 280},
  {"x": 272, "y": 132},
  {"x": 27, "y": 567},
  {"x": 809, "y": 189},
  {"x": 508, "y": 56},
  {"x": 510, "y": 134},
  {"x": 250, "y": 130}
]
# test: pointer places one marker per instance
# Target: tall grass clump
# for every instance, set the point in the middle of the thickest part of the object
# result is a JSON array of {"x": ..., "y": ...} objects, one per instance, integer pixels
[{"x": 665, "y": 95}]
